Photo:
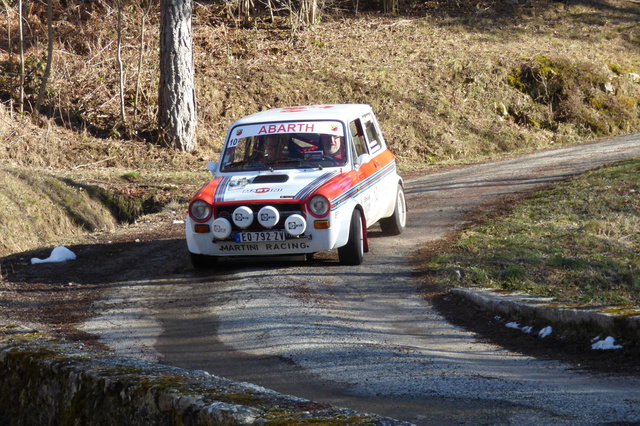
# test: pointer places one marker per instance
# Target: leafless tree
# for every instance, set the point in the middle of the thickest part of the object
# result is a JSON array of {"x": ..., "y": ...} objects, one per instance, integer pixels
[
  {"x": 177, "y": 100},
  {"x": 389, "y": 6},
  {"x": 9, "y": 45},
  {"x": 47, "y": 70},
  {"x": 308, "y": 12},
  {"x": 123, "y": 114},
  {"x": 21, "y": 42},
  {"x": 302, "y": 13},
  {"x": 246, "y": 9},
  {"x": 143, "y": 23}
]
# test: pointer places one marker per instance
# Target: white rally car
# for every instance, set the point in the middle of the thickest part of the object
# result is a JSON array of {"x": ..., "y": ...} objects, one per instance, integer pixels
[{"x": 298, "y": 180}]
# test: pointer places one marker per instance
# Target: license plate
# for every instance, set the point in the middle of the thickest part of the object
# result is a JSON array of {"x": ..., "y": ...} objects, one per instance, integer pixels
[{"x": 258, "y": 237}]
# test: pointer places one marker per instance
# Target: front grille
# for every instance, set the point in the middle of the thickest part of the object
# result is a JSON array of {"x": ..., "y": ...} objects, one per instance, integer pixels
[{"x": 285, "y": 210}]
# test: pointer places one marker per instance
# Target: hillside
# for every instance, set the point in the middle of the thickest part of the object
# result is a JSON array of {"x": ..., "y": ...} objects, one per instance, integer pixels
[{"x": 450, "y": 82}]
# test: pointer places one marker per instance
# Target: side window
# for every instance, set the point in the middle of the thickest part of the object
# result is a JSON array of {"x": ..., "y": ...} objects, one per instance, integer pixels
[
  {"x": 357, "y": 136},
  {"x": 373, "y": 136}
]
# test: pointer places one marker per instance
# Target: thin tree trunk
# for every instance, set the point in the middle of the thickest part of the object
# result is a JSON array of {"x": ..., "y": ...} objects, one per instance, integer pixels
[
  {"x": 120, "y": 65},
  {"x": 140, "y": 56},
  {"x": 47, "y": 70},
  {"x": 21, "y": 42},
  {"x": 10, "y": 47},
  {"x": 246, "y": 9},
  {"x": 389, "y": 6},
  {"x": 176, "y": 98},
  {"x": 309, "y": 11}
]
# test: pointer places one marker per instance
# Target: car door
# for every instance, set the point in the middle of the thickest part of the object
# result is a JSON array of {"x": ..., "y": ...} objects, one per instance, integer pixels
[
  {"x": 384, "y": 167},
  {"x": 365, "y": 169}
]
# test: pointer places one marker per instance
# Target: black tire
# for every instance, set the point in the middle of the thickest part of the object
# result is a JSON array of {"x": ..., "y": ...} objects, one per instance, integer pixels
[
  {"x": 202, "y": 261},
  {"x": 397, "y": 222},
  {"x": 353, "y": 252}
]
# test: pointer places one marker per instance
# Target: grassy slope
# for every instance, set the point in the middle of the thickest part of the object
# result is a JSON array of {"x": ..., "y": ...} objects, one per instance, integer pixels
[
  {"x": 448, "y": 82},
  {"x": 578, "y": 241}
]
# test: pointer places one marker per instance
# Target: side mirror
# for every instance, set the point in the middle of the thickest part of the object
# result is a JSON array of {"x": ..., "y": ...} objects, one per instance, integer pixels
[
  {"x": 363, "y": 159},
  {"x": 213, "y": 167}
]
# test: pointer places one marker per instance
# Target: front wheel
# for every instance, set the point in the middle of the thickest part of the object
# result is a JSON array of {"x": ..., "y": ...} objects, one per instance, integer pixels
[
  {"x": 352, "y": 253},
  {"x": 202, "y": 261},
  {"x": 397, "y": 222}
]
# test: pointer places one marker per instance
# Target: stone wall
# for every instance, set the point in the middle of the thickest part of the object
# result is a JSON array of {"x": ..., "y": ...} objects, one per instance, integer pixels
[{"x": 45, "y": 382}]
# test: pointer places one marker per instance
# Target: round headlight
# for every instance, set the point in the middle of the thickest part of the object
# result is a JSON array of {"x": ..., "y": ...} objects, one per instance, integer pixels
[
  {"x": 243, "y": 217},
  {"x": 200, "y": 210},
  {"x": 221, "y": 228},
  {"x": 319, "y": 205},
  {"x": 295, "y": 225},
  {"x": 268, "y": 216}
]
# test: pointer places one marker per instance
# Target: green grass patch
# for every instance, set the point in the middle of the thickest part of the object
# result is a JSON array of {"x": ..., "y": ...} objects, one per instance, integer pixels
[
  {"x": 132, "y": 176},
  {"x": 578, "y": 241}
]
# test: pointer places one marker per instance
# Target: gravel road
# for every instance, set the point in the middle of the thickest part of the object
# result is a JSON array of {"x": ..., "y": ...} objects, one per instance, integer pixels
[{"x": 363, "y": 337}]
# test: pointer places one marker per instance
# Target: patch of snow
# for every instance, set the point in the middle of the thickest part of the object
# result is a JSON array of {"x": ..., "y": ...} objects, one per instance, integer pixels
[
  {"x": 59, "y": 254},
  {"x": 606, "y": 344},
  {"x": 545, "y": 332},
  {"x": 525, "y": 329}
]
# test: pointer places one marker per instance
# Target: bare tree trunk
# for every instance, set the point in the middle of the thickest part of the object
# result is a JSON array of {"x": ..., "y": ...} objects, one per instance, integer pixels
[
  {"x": 389, "y": 6},
  {"x": 308, "y": 11},
  {"x": 143, "y": 22},
  {"x": 123, "y": 114},
  {"x": 304, "y": 14},
  {"x": 177, "y": 100},
  {"x": 246, "y": 9},
  {"x": 47, "y": 70},
  {"x": 10, "y": 47},
  {"x": 270, "y": 6},
  {"x": 21, "y": 42}
]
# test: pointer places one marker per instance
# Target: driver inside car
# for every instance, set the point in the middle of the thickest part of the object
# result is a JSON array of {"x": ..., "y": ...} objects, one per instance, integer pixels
[
  {"x": 332, "y": 146},
  {"x": 271, "y": 148}
]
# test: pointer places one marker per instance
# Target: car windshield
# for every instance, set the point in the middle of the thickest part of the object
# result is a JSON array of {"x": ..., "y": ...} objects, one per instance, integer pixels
[{"x": 273, "y": 146}]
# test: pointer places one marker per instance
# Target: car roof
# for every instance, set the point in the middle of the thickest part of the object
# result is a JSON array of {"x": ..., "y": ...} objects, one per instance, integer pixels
[{"x": 340, "y": 112}]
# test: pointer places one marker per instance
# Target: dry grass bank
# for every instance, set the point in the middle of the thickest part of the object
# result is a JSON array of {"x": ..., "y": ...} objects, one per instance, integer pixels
[{"x": 449, "y": 81}]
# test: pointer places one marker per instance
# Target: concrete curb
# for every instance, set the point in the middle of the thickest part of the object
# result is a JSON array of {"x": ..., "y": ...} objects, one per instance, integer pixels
[{"x": 593, "y": 320}]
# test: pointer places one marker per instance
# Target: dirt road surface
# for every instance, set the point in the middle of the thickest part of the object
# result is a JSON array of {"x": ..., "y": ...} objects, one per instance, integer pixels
[{"x": 361, "y": 337}]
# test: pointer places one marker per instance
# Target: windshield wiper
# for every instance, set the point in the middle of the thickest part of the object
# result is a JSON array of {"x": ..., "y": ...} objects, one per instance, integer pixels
[
  {"x": 231, "y": 166},
  {"x": 301, "y": 162}
]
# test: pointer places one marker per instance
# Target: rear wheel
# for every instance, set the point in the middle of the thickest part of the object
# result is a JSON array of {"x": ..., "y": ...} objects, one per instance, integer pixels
[
  {"x": 397, "y": 222},
  {"x": 202, "y": 261},
  {"x": 353, "y": 252}
]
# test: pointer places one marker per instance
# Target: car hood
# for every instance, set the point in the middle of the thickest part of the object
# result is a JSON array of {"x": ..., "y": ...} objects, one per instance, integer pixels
[{"x": 271, "y": 185}]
